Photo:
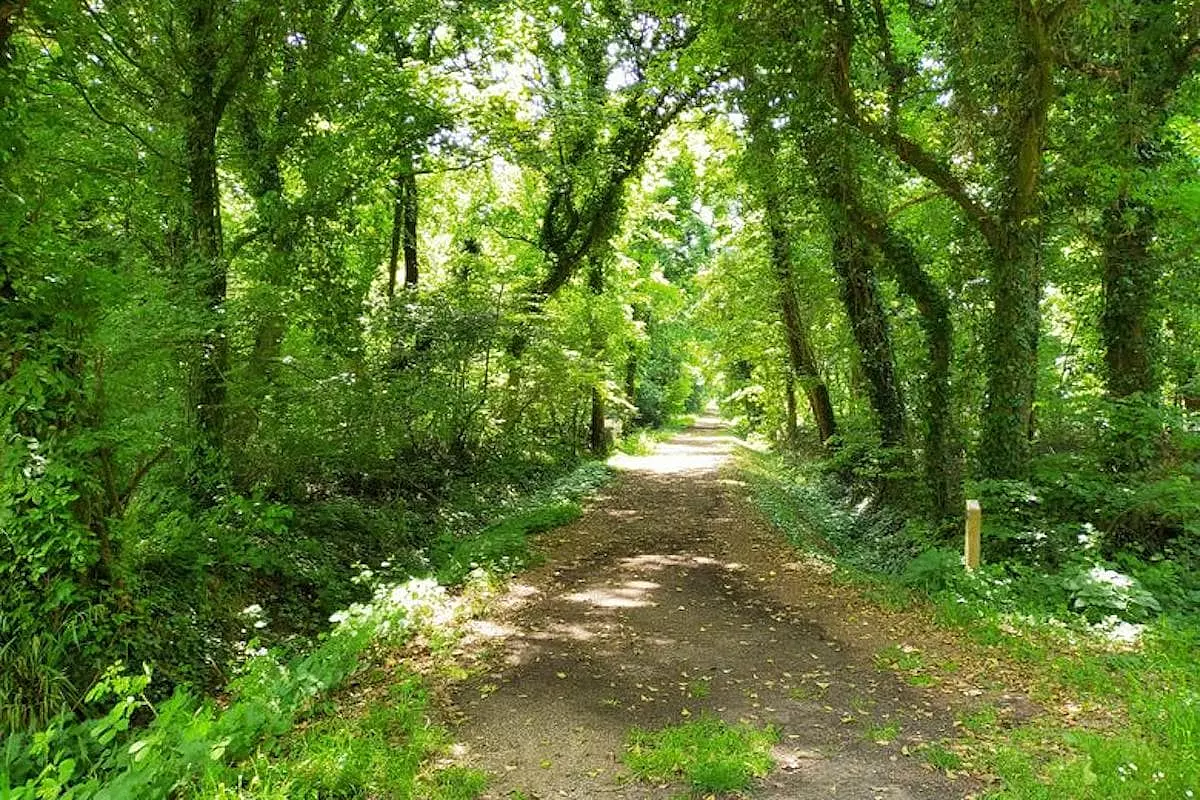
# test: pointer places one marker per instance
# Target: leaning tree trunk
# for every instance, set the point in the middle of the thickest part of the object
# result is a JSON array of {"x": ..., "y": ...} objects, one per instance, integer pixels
[
  {"x": 795, "y": 329},
  {"x": 941, "y": 463},
  {"x": 833, "y": 160},
  {"x": 869, "y": 327},
  {"x": 800, "y": 352},
  {"x": 941, "y": 459}
]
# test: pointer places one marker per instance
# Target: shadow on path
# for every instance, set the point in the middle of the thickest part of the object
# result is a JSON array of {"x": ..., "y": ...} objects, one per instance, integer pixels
[{"x": 670, "y": 598}]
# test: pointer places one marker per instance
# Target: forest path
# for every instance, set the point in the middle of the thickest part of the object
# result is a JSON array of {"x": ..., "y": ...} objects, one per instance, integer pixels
[{"x": 671, "y": 578}]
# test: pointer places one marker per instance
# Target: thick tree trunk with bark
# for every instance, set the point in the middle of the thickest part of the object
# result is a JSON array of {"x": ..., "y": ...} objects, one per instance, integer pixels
[
  {"x": 1012, "y": 345},
  {"x": 1015, "y": 275}
]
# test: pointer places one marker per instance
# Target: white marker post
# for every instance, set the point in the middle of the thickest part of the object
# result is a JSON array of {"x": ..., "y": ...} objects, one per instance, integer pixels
[{"x": 974, "y": 526}]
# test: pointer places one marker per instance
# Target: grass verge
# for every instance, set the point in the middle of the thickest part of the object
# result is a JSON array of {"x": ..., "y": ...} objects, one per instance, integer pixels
[
  {"x": 1120, "y": 719},
  {"x": 331, "y": 722}
]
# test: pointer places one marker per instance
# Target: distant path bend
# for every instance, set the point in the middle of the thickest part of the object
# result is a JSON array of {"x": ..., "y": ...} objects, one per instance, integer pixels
[{"x": 671, "y": 580}]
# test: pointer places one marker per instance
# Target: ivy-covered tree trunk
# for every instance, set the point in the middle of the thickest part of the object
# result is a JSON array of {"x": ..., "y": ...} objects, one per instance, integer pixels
[
  {"x": 854, "y": 260},
  {"x": 1012, "y": 345},
  {"x": 1160, "y": 50},
  {"x": 943, "y": 477},
  {"x": 871, "y": 332},
  {"x": 942, "y": 467},
  {"x": 1015, "y": 246},
  {"x": 795, "y": 328},
  {"x": 204, "y": 269},
  {"x": 1130, "y": 282}
]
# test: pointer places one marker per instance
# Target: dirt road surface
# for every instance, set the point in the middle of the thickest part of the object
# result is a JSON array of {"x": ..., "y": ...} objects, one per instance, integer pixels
[{"x": 670, "y": 598}]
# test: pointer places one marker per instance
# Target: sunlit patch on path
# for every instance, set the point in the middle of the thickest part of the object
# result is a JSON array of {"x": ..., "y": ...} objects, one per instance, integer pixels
[{"x": 669, "y": 600}]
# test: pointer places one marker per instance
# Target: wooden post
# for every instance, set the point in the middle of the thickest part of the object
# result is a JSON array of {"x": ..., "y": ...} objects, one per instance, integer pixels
[{"x": 974, "y": 524}]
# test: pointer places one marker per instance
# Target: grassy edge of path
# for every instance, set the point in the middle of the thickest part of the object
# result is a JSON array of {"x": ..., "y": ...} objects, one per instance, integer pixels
[
  {"x": 1116, "y": 720},
  {"x": 351, "y": 717}
]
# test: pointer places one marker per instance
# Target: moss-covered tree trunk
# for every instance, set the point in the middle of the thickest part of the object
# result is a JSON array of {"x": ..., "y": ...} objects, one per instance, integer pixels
[
  {"x": 1012, "y": 343},
  {"x": 854, "y": 260}
]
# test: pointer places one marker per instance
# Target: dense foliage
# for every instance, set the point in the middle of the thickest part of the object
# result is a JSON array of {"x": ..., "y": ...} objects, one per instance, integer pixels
[{"x": 287, "y": 287}]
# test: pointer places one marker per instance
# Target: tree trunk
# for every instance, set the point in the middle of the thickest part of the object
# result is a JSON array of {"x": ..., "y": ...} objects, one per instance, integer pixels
[
  {"x": 1011, "y": 355},
  {"x": 397, "y": 236},
  {"x": 408, "y": 193},
  {"x": 795, "y": 329},
  {"x": 1130, "y": 289},
  {"x": 833, "y": 160},
  {"x": 631, "y": 371},
  {"x": 265, "y": 181},
  {"x": 1015, "y": 245},
  {"x": 791, "y": 430},
  {"x": 598, "y": 438},
  {"x": 205, "y": 270},
  {"x": 942, "y": 473},
  {"x": 871, "y": 332},
  {"x": 800, "y": 353},
  {"x": 1162, "y": 49}
]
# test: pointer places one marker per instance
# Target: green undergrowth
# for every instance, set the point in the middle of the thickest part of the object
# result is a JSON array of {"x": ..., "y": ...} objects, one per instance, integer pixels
[
  {"x": 383, "y": 751},
  {"x": 285, "y": 726},
  {"x": 1090, "y": 641},
  {"x": 710, "y": 755}
]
